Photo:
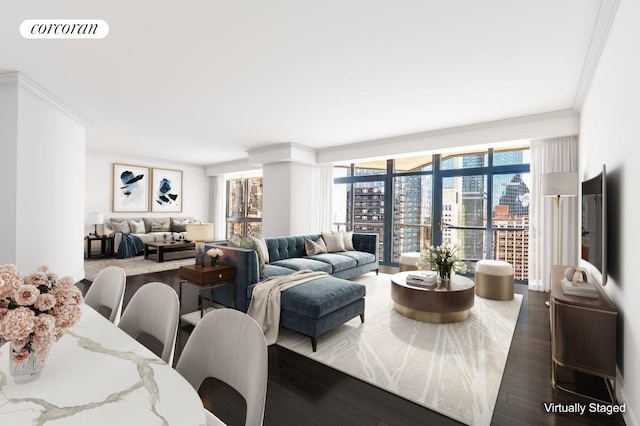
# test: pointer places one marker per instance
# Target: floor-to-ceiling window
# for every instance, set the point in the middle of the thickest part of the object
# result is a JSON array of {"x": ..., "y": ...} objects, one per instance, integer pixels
[
  {"x": 244, "y": 207},
  {"x": 412, "y": 205},
  {"x": 359, "y": 199},
  {"x": 510, "y": 209},
  {"x": 476, "y": 199}
]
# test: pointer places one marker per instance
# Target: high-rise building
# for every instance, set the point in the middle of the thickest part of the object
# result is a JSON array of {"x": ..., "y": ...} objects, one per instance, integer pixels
[
  {"x": 408, "y": 215},
  {"x": 512, "y": 244},
  {"x": 368, "y": 209}
]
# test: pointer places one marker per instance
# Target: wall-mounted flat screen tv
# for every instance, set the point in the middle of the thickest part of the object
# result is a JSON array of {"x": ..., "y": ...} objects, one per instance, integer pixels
[{"x": 594, "y": 226}]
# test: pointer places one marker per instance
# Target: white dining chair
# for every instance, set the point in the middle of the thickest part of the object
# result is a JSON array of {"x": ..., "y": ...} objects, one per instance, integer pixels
[
  {"x": 154, "y": 310},
  {"x": 230, "y": 346},
  {"x": 106, "y": 293}
]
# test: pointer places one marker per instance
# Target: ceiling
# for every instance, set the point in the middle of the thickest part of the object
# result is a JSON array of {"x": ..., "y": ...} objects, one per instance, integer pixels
[{"x": 205, "y": 81}]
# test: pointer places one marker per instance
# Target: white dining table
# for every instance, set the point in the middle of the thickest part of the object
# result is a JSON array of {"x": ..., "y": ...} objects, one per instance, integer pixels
[{"x": 97, "y": 374}]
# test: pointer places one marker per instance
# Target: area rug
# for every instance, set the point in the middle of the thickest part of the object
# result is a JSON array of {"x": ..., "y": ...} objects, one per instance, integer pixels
[
  {"x": 133, "y": 266},
  {"x": 454, "y": 369}
]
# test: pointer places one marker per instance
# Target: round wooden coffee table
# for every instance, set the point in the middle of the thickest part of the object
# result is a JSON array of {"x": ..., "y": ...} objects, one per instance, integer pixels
[{"x": 437, "y": 303}]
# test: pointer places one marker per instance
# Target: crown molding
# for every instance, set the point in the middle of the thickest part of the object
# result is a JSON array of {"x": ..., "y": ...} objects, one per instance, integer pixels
[
  {"x": 16, "y": 77},
  {"x": 606, "y": 13}
]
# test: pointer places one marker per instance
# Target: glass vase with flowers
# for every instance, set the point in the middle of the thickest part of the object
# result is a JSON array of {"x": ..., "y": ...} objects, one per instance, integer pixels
[
  {"x": 215, "y": 254},
  {"x": 443, "y": 259},
  {"x": 35, "y": 311}
]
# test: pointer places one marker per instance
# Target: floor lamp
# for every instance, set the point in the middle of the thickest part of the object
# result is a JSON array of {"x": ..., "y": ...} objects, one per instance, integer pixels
[{"x": 559, "y": 186}]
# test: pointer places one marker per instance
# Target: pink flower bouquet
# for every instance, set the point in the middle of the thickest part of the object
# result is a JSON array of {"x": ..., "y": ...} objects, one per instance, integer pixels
[{"x": 35, "y": 310}]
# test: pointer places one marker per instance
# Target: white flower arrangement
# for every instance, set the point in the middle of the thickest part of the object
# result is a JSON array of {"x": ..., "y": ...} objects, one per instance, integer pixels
[
  {"x": 443, "y": 260},
  {"x": 215, "y": 252}
]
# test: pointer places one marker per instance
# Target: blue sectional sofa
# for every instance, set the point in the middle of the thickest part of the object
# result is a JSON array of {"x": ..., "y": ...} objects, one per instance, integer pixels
[
  {"x": 288, "y": 254},
  {"x": 314, "y": 307}
]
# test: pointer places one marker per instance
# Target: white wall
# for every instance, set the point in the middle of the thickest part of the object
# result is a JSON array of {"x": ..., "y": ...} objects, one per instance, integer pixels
[
  {"x": 608, "y": 132},
  {"x": 99, "y": 187},
  {"x": 43, "y": 179}
]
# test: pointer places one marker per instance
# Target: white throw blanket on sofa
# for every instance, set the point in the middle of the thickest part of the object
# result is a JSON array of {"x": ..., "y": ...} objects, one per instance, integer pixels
[{"x": 265, "y": 302}]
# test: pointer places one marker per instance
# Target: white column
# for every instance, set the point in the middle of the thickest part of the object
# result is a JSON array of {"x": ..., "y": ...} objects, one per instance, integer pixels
[
  {"x": 289, "y": 199},
  {"x": 8, "y": 170},
  {"x": 218, "y": 206},
  {"x": 290, "y": 189},
  {"x": 42, "y": 215}
]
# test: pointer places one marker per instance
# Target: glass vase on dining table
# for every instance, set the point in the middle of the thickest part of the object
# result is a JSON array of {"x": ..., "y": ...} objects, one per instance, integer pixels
[
  {"x": 24, "y": 367},
  {"x": 35, "y": 311}
]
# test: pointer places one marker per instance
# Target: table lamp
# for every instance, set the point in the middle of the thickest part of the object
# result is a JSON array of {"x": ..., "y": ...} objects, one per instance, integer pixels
[
  {"x": 95, "y": 219},
  {"x": 199, "y": 233},
  {"x": 559, "y": 185}
]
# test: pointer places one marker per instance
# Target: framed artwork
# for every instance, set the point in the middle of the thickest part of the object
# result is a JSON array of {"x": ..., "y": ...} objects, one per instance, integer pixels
[
  {"x": 166, "y": 190},
  {"x": 130, "y": 188}
]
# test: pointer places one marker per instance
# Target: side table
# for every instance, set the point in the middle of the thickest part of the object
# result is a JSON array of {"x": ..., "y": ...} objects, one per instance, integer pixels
[
  {"x": 207, "y": 278},
  {"x": 583, "y": 338},
  {"x": 106, "y": 245}
]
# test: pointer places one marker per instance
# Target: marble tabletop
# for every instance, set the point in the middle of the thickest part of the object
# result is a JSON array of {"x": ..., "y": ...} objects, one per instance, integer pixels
[{"x": 98, "y": 375}]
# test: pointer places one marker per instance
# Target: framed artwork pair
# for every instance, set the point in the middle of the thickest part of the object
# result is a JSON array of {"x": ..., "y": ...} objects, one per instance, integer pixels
[{"x": 143, "y": 189}]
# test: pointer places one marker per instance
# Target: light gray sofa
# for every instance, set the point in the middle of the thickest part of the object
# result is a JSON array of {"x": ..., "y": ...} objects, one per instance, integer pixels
[{"x": 155, "y": 229}]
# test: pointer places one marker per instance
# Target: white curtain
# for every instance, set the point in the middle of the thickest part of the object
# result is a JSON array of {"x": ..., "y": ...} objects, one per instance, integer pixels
[
  {"x": 324, "y": 199},
  {"x": 549, "y": 156}
]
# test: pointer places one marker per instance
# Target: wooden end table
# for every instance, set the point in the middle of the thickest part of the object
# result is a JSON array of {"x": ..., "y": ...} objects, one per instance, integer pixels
[
  {"x": 207, "y": 278},
  {"x": 106, "y": 245}
]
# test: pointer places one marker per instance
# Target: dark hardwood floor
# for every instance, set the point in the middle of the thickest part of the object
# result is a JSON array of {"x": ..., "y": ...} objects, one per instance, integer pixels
[{"x": 304, "y": 392}]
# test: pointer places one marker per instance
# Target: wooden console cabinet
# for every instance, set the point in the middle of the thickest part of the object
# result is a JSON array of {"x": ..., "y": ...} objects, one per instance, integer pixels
[{"x": 583, "y": 334}]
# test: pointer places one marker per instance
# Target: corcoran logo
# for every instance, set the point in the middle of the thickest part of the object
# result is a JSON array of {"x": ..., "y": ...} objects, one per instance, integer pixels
[{"x": 64, "y": 28}]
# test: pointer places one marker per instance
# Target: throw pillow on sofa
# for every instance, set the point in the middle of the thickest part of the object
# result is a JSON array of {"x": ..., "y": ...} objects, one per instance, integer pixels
[
  {"x": 334, "y": 241},
  {"x": 262, "y": 246},
  {"x": 314, "y": 247},
  {"x": 160, "y": 227},
  {"x": 252, "y": 243},
  {"x": 136, "y": 227},
  {"x": 348, "y": 241},
  {"x": 179, "y": 225},
  {"x": 162, "y": 224},
  {"x": 121, "y": 227}
]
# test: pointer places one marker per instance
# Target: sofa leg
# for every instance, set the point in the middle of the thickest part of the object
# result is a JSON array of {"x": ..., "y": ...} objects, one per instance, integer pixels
[
  {"x": 362, "y": 317},
  {"x": 376, "y": 272},
  {"x": 314, "y": 343}
]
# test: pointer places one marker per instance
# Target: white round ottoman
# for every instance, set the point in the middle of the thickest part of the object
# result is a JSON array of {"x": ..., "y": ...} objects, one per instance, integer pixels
[
  {"x": 494, "y": 280},
  {"x": 408, "y": 261}
]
